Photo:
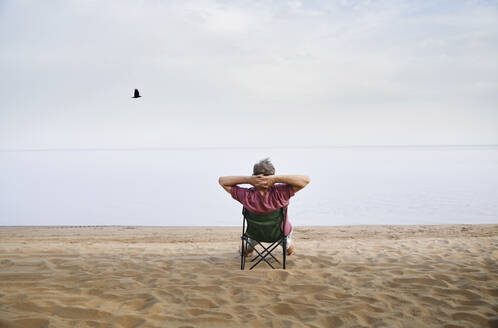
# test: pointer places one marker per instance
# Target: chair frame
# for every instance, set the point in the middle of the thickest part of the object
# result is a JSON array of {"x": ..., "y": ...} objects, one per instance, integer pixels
[{"x": 267, "y": 251}]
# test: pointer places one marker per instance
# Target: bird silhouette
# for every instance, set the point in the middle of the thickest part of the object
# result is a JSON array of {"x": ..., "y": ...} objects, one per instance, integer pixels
[{"x": 136, "y": 94}]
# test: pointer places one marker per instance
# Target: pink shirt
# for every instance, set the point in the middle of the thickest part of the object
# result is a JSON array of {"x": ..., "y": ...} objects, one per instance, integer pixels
[{"x": 276, "y": 196}]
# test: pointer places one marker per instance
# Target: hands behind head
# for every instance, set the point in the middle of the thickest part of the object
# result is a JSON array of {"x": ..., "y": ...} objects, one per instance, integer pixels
[{"x": 263, "y": 181}]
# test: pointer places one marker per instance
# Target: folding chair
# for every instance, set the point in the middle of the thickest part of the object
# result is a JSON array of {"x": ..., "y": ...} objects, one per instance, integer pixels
[{"x": 263, "y": 228}]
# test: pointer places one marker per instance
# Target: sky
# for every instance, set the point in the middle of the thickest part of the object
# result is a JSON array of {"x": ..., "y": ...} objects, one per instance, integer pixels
[{"x": 247, "y": 73}]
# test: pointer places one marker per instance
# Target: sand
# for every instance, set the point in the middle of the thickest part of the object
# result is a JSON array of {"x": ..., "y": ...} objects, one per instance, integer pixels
[{"x": 359, "y": 276}]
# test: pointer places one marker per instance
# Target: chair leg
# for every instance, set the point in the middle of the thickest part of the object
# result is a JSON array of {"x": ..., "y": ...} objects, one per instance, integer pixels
[
  {"x": 262, "y": 255},
  {"x": 242, "y": 255},
  {"x": 285, "y": 252},
  {"x": 261, "y": 258},
  {"x": 266, "y": 251}
]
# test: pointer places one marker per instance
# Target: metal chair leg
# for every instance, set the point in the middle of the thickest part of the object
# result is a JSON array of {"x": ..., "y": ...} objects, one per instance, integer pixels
[
  {"x": 242, "y": 255},
  {"x": 266, "y": 251},
  {"x": 285, "y": 252},
  {"x": 263, "y": 257}
]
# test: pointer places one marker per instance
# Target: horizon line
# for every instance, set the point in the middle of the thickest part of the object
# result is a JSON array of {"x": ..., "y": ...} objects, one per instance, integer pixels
[
  {"x": 73, "y": 226},
  {"x": 186, "y": 148}
]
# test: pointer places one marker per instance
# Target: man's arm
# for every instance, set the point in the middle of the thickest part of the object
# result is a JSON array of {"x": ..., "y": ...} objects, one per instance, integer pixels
[
  {"x": 228, "y": 182},
  {"x": 297, "y": 182}
]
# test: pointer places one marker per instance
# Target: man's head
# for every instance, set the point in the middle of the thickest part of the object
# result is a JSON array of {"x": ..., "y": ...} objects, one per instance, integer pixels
[{"x": 264, "y": 167}]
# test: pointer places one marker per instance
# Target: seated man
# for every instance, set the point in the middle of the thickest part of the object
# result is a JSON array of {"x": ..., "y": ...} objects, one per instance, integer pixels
[{"x": 270, "y": 192}]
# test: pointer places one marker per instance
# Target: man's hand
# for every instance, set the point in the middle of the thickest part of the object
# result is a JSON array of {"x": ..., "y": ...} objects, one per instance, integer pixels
[{"x": 263, "y": 181}]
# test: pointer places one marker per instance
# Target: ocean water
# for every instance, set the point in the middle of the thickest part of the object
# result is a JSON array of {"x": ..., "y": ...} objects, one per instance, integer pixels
[{"x": 349, "y": 186}]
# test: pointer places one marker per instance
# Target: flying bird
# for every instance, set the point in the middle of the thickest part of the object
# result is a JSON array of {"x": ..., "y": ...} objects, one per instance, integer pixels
[{"x": 136, "y": 94}]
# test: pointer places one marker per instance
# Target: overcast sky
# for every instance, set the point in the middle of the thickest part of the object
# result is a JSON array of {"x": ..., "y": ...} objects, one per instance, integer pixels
[{"x": 247, "y": 73}]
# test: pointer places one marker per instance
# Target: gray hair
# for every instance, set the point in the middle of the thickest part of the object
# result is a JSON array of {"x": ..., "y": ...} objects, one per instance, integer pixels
[{"x": 264, "y": 167}]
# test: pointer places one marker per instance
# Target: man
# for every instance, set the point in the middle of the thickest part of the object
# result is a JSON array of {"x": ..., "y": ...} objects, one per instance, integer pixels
[{"x": 269, "y": 192}]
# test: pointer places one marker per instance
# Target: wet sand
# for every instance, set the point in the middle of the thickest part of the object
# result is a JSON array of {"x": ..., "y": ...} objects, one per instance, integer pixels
[{"x": 346, "y": 276}]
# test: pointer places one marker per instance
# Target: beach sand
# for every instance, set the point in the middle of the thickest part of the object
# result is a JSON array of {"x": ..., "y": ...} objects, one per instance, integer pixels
[{"x": 345, "y": 276}]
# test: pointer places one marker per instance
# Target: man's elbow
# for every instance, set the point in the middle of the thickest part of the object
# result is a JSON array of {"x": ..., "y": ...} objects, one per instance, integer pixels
[
  {"x": 306, "y": 180},
  {"x": 303, "y": 182},
  {"x": 221, "y": 181}
]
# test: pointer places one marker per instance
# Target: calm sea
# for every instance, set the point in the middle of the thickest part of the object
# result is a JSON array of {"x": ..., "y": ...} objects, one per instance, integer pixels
[{"x": 349, "y": 186}]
